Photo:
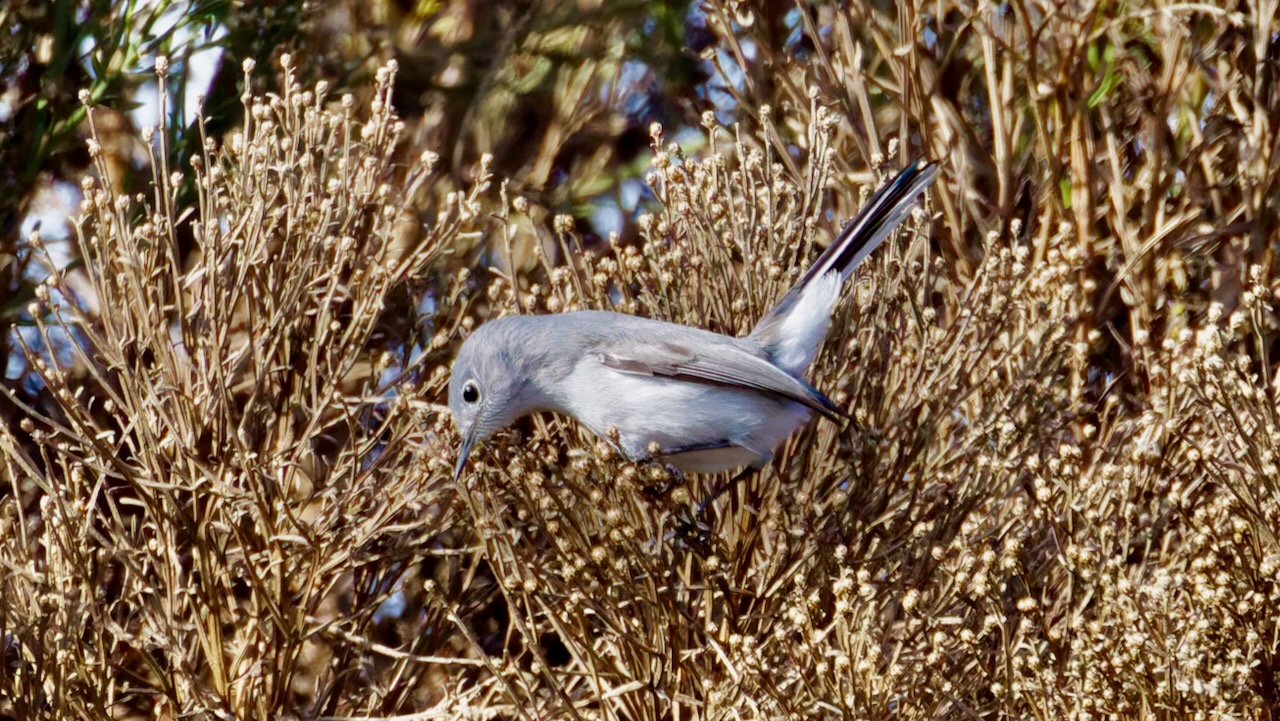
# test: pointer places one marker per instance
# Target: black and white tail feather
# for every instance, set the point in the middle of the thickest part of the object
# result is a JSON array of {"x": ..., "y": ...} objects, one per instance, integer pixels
[
  {"x": 700, "y": 401},
  {"x": 795, "y": 328}
]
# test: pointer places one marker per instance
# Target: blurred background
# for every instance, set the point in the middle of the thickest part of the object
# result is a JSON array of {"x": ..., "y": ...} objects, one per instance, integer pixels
[{"x": 1058, "y": 499}]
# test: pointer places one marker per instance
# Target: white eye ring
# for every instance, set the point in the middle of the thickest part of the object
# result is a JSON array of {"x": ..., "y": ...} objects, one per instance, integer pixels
[{"x": 471, "y": 392}]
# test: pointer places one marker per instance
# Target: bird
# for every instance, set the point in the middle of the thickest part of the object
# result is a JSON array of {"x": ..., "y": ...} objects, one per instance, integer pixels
[{"x": 691, "y": 399}]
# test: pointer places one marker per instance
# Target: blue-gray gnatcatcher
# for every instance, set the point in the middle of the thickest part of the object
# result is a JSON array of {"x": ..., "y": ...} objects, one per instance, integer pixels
[{"x": 709, "y": 402}]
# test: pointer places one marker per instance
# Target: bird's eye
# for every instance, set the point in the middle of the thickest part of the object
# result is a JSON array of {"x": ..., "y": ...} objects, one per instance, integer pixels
[{"x": 471, "y": 392}]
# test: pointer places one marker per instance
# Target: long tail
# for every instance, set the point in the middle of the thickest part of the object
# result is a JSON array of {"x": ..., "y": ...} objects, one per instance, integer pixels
[{"x": 797, "y": 325}]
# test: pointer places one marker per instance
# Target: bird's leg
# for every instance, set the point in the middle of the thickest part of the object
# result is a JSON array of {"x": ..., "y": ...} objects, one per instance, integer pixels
[
  {"x": 674, "y": 478},
  {"x": 742, "y": 475},
  {"x": 670, "y": 455},
  {"x": 695, "y": 535},
  {"x": 670, "y": 478},
  {"x": 693, "y": 529}
]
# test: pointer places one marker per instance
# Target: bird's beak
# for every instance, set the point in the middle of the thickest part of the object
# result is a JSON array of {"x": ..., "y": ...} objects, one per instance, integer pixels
[{"x": 463, "y": 451}]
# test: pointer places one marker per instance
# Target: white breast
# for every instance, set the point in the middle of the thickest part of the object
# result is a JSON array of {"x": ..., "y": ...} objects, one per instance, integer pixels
[{"x": 676, "y": 413}]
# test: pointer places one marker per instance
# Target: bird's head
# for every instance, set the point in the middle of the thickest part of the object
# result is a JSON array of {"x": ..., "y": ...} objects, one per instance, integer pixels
[{"x": 489, "y": 387}]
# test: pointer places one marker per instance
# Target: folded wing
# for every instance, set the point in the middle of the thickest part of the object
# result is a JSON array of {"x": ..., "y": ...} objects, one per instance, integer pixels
[{"x": 723, "y": 365}]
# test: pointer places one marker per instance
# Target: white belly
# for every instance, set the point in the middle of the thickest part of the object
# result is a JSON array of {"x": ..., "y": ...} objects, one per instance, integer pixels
[{"x": 679, "y": 414}]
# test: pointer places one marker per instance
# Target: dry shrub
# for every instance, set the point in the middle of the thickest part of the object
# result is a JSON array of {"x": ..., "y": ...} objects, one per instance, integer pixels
[
  {"x": 226, "y": 491},
  {"x": 1058, "y": 497}
]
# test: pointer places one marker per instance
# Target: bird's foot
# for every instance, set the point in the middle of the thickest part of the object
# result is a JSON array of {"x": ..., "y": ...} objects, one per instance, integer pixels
[
  {"x": 690, "y": 530},
  {"x": 730, "y": 484},
  {"x": 661, "y": 479}
]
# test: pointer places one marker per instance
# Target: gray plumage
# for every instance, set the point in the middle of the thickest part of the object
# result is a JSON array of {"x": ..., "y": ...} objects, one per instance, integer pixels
[{"x": 710, "y": 402}]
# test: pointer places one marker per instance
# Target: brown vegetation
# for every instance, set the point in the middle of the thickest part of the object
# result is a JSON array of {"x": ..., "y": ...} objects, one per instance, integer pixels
[{"x": 1058, "y": 499}]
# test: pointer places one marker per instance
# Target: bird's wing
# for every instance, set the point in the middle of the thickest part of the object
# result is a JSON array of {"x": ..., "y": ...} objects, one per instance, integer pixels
[{"x": 721, "y": 364}]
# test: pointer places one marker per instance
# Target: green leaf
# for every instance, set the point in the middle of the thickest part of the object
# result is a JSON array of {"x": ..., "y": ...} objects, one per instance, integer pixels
[{"x": 1109, "y": 81}]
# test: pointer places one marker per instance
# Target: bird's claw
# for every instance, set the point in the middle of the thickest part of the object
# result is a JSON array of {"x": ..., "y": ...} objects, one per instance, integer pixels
[
  {"x": 694, "y": 533},
  {"x": 672, "y": 478}
]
